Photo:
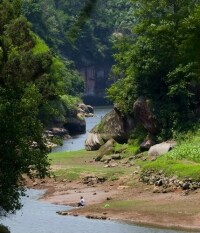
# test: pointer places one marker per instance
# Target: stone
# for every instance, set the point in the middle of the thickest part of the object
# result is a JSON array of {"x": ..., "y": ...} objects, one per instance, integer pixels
[
  {"x": 116, "y": 156},
  {"x": 113, "y": 125},
  {"x": 144, "y": 146},
  {"x": 143, "y": 113},
  {"x": 106, "y": 149},
  {"x": 159, "y": 149},
  {"x": 93, "y": 142}
]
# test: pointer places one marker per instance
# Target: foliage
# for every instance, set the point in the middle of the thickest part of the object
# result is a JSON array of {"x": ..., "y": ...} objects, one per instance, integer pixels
[
  {"x": 188, "y": 147},
  {"x": 160, "y": 60},
  {"x": 32, "y": 81},
  {"x": 80, "y": 30}
]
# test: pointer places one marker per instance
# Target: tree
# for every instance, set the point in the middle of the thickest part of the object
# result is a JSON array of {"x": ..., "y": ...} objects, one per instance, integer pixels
[
  {"x": 31, "y": 81},
  {"x": 160, "y": 61}
]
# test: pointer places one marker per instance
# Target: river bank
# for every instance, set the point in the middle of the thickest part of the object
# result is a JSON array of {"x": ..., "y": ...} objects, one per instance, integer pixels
[
  {"x": 125, "y": 200},
  {"x": 121, "y": 196}
]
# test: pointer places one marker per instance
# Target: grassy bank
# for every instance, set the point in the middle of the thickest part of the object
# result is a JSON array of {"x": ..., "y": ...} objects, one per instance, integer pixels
[
  {"x": 73, "y": 165},
  {"x": 136, "y": 201},
  {"x": 183, "y": 161}
]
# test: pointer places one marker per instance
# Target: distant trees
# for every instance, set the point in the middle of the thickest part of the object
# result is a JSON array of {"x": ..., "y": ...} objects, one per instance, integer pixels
[
  {"x": 80, "y": 30},
  {"x": 160, "y": 60}
]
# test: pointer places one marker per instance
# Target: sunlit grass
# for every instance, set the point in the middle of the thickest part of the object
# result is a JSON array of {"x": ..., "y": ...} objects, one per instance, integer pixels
[{"x": 76, "y": 164}]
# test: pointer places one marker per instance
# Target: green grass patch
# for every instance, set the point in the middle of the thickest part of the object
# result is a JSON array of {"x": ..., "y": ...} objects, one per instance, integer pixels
[
  {"x": 75, "y": 164},
  {"x": 182, "y": 161},
  {"x": 171, "y": 167},
  {"x": 126, "y": 149}
]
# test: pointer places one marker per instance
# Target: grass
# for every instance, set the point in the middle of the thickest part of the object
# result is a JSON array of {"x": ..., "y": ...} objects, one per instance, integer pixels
[
  {"x": 179, "y": 168},
  {"x": 126, "y": 149},
  {"x": 183, "y": 161},
  {"x": 75, "y": 164}
]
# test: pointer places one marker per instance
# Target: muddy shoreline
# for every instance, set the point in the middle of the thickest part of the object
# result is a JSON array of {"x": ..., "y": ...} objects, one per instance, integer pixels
[{"x": 174, "y": 210}]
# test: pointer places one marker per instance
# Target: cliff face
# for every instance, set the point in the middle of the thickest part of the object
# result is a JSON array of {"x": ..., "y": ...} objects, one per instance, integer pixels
[{"x": 96, "y": 81}]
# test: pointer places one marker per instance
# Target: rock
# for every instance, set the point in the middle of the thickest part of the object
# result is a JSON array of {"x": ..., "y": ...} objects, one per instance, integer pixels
[
  {"x": 156, "y": 190},
  {"x": 159, "y": 149},
  {"x": 105, "y": 159},
  {"x": 113, "y": 125},
  {"x": 57, "y": 131},
  {"x": 106, "y": 149},
  {"x": 35, "y": 183},
  {"x": 144, "y": 146},
  {"x": 93, "y": 142},
  {"x": 116, "y": 156},
  {"x": 144, "y": 114},
  {"x": 75, "y": 125},
  {"x": 85, "y": 108},
  {"x": 90, "y": 109}
]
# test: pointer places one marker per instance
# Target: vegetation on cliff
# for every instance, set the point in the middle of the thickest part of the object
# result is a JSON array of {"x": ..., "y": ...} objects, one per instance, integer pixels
[{"x": 80, "y": 30}]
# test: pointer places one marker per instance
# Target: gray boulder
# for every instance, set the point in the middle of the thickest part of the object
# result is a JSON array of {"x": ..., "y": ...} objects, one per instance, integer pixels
[
  {"x": 93, "y": 142},
  {"x": 106, "y": 149},
  {"x": 113, "y": 125},
  {"x": 161, "y": 148}
]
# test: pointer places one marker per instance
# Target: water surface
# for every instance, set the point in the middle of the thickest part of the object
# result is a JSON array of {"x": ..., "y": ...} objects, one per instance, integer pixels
[
  {"x": 77, "y": 142},
  {"x": 41, "y": 217}
]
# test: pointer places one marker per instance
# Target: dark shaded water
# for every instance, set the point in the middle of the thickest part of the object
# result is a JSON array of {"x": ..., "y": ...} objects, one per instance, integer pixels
[{"x": 41, "y": 217}]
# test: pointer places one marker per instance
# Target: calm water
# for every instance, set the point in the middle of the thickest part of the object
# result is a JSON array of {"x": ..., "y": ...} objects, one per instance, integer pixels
[
  {"x": 77, "y": 142},
  {"x": 41, "y": 217}
]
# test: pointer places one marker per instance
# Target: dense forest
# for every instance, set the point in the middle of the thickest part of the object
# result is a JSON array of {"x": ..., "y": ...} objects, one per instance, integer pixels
[
  {"x": 160, "y": 61},
  {"x": 153, "y": 48},
  {"x": 82, "y": 31}
]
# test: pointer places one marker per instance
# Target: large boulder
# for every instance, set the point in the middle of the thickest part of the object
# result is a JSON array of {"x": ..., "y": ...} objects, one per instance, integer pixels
[
  {"x": 161, "y": 148},
  {"x": 106, "y": 149},
  {"x": 113, "y": 125},
  {"x": 143, "y": 113},
  {"x": 76, "y": 124},
  {"x": 93, "y": 142}
]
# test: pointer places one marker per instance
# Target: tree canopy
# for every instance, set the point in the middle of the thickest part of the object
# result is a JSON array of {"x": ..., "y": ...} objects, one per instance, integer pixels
[
  {"x": 80, "y": 30},
  {"x": 32, "y": 83},
  {"x": 160, "y": 60}
]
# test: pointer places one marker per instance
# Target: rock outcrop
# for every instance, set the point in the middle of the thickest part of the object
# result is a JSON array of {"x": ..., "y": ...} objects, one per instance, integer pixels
[
  {"x": 75, "y": 125},
  {"x": 113, "y": 125},
  {"x": 143, "y": 113}
]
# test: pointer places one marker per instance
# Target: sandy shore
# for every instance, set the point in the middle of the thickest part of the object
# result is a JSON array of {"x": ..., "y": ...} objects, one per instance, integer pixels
[{"x": 171, "y": 210}]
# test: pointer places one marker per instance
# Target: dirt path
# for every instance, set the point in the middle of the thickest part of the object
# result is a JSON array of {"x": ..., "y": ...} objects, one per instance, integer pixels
[{"x": 173, "y": 210}]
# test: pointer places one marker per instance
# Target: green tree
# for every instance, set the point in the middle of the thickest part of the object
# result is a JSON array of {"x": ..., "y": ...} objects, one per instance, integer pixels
[
  {"x": 32, "y": 80},
  {"x": 160, "y": 60}
]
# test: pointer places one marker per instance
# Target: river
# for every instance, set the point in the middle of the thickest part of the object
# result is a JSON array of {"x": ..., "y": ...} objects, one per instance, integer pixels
[
  {"x": 77, "y": 142},
  {"x": 40, "y": 217}
]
